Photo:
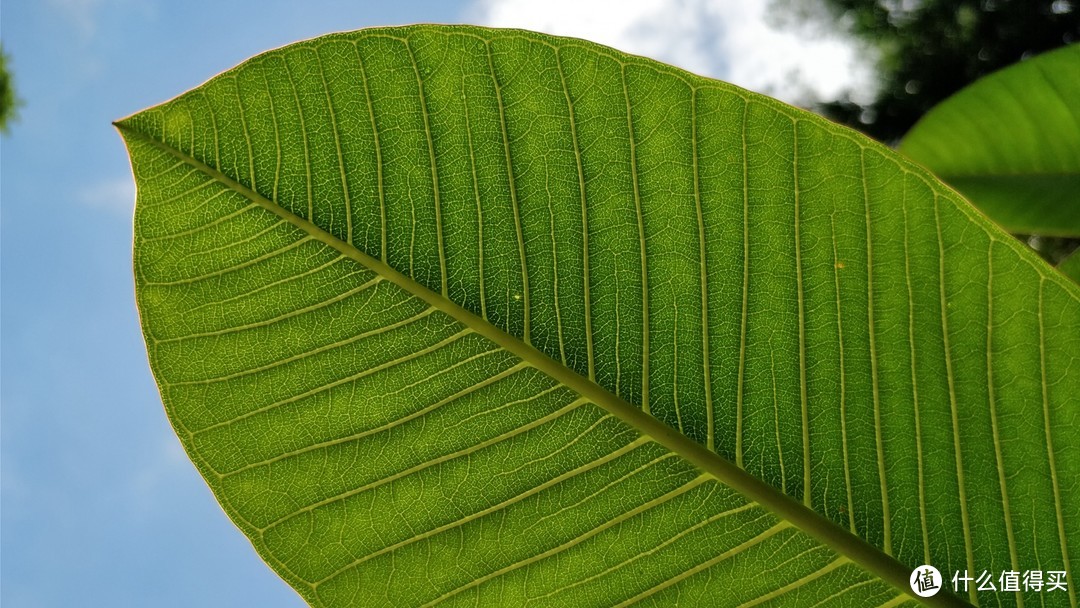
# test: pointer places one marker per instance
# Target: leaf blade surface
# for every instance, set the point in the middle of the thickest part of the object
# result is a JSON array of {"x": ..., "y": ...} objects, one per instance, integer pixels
[{"x": 687, "y": 227}]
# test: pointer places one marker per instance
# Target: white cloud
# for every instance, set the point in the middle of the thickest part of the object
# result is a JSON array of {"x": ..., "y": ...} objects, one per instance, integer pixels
[
  {"x": 81, "y": 14},
  {"x": 115, "y": 195},
  {"x": 725, "y": 39},
  {"x": 85, "y": 15},
  {"x": 159, "y": 470}
]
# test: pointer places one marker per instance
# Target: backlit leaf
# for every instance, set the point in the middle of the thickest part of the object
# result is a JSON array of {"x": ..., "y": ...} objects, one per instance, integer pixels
[{"x": 450, "y": 315}]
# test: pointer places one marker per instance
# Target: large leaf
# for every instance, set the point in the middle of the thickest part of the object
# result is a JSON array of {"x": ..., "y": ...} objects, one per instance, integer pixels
[
  {"x": 404, "y": 291},
  {"x": 1010, "y": 143}
]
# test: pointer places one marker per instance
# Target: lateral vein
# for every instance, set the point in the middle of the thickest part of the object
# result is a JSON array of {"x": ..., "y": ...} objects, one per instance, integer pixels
[
  {"x": 962, "y": 493},
  {"x": 710, "y": 414},
  {"x": 645, "y": 405},
  {"x": 443, "y": 282},
  {"x": 878, "y": 438},
  {"x": 527, "y": 335}
]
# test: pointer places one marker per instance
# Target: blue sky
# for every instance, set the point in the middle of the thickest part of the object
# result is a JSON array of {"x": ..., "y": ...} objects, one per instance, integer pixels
[{"x": 100, "y": 506}]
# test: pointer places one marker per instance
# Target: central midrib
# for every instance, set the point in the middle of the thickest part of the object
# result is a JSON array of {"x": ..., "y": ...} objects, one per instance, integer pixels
[{"x": 807, "y": 520}]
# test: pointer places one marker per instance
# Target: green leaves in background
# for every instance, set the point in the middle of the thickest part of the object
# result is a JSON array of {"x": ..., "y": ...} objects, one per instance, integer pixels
[
  {"x": 1071, "y": 266},
  {"x": 405, "y": 290},
  {"x": 1010, "y": 143}
]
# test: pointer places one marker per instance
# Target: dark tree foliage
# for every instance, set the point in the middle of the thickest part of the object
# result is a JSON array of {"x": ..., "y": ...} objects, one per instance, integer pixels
[
  {"x": 8, "y": 102},
  {"x": 929, "y": 49}
]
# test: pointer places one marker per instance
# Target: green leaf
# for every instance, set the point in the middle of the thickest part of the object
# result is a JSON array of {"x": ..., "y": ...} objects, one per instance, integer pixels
[
  {"x": 449, "y": 315},
  {"x": 1010, "y": 143}
]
